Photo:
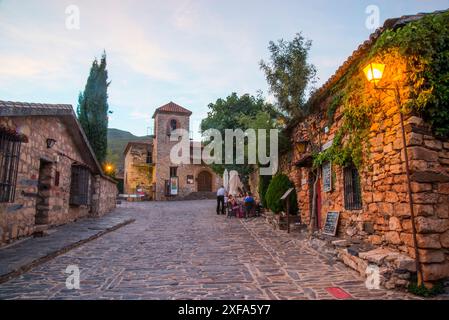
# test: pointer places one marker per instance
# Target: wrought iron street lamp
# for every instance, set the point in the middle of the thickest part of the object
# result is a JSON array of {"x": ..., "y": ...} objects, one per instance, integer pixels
[
  {"x": 109, "y": 168},
  {"x": 374, "y": 73}
]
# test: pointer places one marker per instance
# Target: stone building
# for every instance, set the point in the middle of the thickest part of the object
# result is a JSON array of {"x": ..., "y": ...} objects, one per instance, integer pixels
[
  {"x": 139, "y": 167},
  {"x": 168, "y": 181},
  {"x": 373, "y": 202},
  {"x": 49, "y": 175}
]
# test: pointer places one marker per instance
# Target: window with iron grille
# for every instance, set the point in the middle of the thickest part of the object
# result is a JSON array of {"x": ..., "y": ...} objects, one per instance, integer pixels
[
  {"x": 173, "y": 172},
  {"x": 352, "y": 189},
  {"x": 9, "y": 162},
  {"x": 79, "y": 186}
]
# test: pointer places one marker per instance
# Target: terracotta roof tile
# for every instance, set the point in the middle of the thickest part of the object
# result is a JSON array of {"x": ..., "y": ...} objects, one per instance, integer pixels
[
  {"x": 10, "y": 108},
  {"x": 172, "y": 107}
]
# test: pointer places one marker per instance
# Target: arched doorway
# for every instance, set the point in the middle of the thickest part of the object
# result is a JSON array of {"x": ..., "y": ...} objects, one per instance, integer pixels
[{"x": 204, "y": 182}]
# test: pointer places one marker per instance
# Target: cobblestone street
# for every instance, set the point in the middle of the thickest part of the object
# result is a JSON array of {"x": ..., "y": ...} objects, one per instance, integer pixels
[{"x": 183, "y": 250}]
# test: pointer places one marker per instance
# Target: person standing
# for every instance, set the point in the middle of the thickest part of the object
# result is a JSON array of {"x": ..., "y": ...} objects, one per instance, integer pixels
[{"x": 220, "y": 200}]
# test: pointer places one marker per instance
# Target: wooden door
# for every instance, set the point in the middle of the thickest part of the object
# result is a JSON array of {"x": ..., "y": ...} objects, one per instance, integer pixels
[
  {"x": 318, "y": 204},
  {"x": 205, "y": 182}
]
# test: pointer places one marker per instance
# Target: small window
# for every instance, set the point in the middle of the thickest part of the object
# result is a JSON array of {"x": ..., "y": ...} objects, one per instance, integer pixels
[
  {"x": 57, "y": 178},
  {"x": 9, "y": 162},
  {"x": 173, "y": 125},
  {"x": 149, "y": 157},
  {"x": 79, "y": 186},
  {"x": 352, "y": 189},
  {"x": 190, "y": 180},
  {"x": 173, "y": 172}
]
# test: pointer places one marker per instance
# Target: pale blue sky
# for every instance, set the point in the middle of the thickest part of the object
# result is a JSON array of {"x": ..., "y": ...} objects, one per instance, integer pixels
[{"x": 189, "y": 52}]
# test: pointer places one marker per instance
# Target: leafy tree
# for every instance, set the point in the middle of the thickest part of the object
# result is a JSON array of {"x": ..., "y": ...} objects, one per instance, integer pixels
[
  {"x": 277, "y": 188},
  {"x": 289, "y": 74},
  {"x": 267, "y": 121},
  {"x": 233, "y": 113},
  {"x": 93, "y": 108}
]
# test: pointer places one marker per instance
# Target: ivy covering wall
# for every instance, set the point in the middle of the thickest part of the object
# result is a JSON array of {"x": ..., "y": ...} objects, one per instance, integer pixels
[{"x": 417, "y": 58}]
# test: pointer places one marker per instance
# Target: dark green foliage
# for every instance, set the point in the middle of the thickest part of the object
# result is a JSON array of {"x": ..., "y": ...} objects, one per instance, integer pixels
[
  {"x": 264, "y": 182},
  {"x": 336, "y": 102},
  {"x": 93, "y": 108},
  {"x": 423, "y": 291},
  {"x": 289, "y": 74},
  {"x": 426, "y": 45},
  {"x": 232, "y": 113},
  {"x": 277, "y": 188}
]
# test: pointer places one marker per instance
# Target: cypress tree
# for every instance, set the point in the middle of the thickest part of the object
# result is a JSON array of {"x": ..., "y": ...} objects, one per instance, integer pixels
[{"x": 93, "y": 108}]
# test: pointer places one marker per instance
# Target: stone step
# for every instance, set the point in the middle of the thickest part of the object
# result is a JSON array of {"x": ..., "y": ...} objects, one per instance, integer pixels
[
  {"x": 394, "y": 268},
  {"x": 199, "y": 196},
  {"x": 41, "y": 230}
]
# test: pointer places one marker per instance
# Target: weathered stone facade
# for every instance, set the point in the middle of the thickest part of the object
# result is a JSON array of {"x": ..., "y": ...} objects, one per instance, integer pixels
[
  {"x": 139, "y": 168},
  {"x": 43, "y": 184},
  {"x": 192, "y": 177},
  {"x": 384, "y": 219}
]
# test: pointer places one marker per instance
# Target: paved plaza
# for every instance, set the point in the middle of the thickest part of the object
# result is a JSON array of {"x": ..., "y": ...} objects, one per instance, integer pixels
[{"x": 183, "y": 250}]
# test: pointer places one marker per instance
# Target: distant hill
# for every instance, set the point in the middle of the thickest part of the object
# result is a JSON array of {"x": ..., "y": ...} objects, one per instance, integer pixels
[{"x": 117, "y": 141}]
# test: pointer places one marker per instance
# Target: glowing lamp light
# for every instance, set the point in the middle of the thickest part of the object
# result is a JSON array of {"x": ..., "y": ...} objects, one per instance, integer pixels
[
  {"x": 374, "y": 72},
  {"x": 109, "y": 168}
]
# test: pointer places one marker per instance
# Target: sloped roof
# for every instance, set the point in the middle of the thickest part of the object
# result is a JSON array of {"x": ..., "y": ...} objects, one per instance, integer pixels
[
  {"x": 10, "y": 108},
  {"x": 68, "y": 117},
  {"x": 172, "y": 107},
  {"x": 142, "y": 142},
  {"x": 364, "y": 48}
]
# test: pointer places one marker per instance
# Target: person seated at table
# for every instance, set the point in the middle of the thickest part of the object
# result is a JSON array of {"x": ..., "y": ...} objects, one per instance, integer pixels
[
  {"x": 234, "y": 205},
  {"x": 249, "y": 203}
]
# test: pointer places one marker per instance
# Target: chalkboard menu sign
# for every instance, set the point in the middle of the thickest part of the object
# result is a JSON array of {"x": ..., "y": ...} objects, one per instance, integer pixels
[
  {"x": 327, "y": 177},
  {"x": 330, "y": 228}
]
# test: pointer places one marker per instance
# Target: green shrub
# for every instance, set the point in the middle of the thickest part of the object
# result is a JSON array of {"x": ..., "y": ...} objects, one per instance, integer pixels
[
  {"x": 423, "y": 291},
  {"x": 264, "y": 182},
  {"x": 278, "y": 186}
]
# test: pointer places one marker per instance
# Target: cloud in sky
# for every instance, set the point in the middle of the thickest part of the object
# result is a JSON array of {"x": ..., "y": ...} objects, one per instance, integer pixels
[{"x": 189, "y": 51}]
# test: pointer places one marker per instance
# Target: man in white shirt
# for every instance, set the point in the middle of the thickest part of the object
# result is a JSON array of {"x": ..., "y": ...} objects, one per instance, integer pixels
[{"x": 220, "y": 200}]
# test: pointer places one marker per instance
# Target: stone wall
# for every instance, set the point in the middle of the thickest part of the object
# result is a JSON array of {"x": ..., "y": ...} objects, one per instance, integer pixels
[
  {"x": 104, "y": 197},
  {"x": 137, "y": 171},
  {"x": 23, "y": 216},
  {"x": 162, "y": 147},
  {"x": 385, "y": 217}
]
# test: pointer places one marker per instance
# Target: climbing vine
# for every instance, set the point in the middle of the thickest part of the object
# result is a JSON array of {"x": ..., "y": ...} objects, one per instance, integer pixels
[
  {"x": 425, "y": 44},
  {"x": 422, "y": 48}
]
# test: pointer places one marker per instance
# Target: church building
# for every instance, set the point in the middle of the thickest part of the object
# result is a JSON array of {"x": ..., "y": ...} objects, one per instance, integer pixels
[{"x": 149, "y": 171}]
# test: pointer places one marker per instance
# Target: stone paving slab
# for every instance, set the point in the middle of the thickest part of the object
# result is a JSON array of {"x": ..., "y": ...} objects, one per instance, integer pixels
[
  {"x": 23, "y": 255},
  {"x": 183, "y": 250}
]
